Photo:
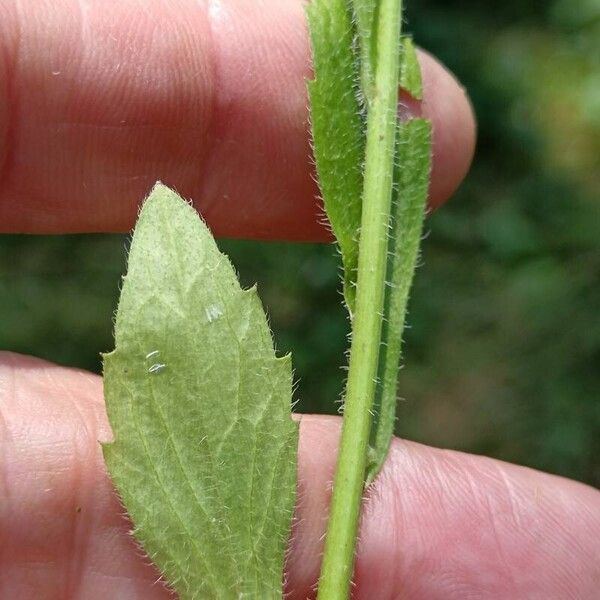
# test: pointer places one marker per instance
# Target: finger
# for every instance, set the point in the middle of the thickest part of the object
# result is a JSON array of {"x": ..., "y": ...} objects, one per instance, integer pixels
[
  {"x": 98, "y": 103},
  {"x": 63, "y": 531},
  {"x": 444, "y": 525},
  {"x": 435, "y": 525}
]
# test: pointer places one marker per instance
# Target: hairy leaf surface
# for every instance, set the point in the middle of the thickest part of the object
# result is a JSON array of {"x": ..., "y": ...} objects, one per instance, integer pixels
[
  {"x": 365, "y": 14},
  {"x": 410, "y": 70},
  {"x": 204, "y": 451},
  {"x": 340, "y": 52},
  {"x": 409, "y": 201},
  {"x": 337, "y": 127}
]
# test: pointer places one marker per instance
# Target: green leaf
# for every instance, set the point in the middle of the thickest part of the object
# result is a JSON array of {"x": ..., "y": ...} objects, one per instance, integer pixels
[
  {"x": 406, "y": 224},
  {"x": 365, "y": 12},
  {"x": 410, "y": 71},
  {"x": 204, "y": 451},
  {"x": 337, "y": 127}
]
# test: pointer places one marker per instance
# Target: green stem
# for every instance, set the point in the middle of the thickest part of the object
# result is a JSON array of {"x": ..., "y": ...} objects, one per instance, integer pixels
[{"x": 338, "y": 559}]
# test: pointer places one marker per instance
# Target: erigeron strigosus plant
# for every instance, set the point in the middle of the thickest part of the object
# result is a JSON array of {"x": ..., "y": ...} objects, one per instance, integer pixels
[{"x": 204, "y": 455}]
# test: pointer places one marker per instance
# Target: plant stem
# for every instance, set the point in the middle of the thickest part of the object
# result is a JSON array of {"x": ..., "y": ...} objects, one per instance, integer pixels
[{"x": 338, "y": 559}]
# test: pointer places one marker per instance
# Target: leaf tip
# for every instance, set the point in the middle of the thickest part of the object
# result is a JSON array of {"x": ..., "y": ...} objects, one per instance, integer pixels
[{"x": 162, "y": 197}]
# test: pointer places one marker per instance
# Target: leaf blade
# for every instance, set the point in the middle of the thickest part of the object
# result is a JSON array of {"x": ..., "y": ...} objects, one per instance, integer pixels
[
  {"x": 365, "y": 13},
  {"x": 409, "y": 203},
  {"x": 192, "y": 387},
  {"x": 410, "y": 71},
  {"x": 337, "y": 127}
]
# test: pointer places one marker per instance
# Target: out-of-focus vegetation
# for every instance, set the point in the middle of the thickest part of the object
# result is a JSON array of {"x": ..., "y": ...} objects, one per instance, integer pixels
[{"x": 503, "y": 350}]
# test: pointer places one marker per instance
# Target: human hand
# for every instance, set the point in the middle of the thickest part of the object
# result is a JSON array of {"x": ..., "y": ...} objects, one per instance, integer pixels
[{"x": 221, "y": 120}]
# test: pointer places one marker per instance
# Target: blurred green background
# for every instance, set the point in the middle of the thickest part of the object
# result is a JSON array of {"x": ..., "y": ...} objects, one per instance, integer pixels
[{"x": 503, "y": 349}]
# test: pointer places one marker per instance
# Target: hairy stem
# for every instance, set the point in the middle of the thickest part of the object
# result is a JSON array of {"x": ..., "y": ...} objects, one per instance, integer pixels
[{"x": 348, "y": 484}]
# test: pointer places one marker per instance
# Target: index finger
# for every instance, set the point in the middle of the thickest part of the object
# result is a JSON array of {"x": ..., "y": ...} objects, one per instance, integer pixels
[{"x": 100, "y": 100}]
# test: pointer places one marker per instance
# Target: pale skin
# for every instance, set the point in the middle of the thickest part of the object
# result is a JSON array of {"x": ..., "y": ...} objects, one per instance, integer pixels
[{"x": 97, "y": 101}]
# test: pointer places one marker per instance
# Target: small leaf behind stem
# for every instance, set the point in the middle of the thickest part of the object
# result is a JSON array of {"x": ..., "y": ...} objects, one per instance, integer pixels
[
  {"x": 409, "y": 201},
  {"x": 406, "y": 224},
  {"x": 204, "y": 451}
]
